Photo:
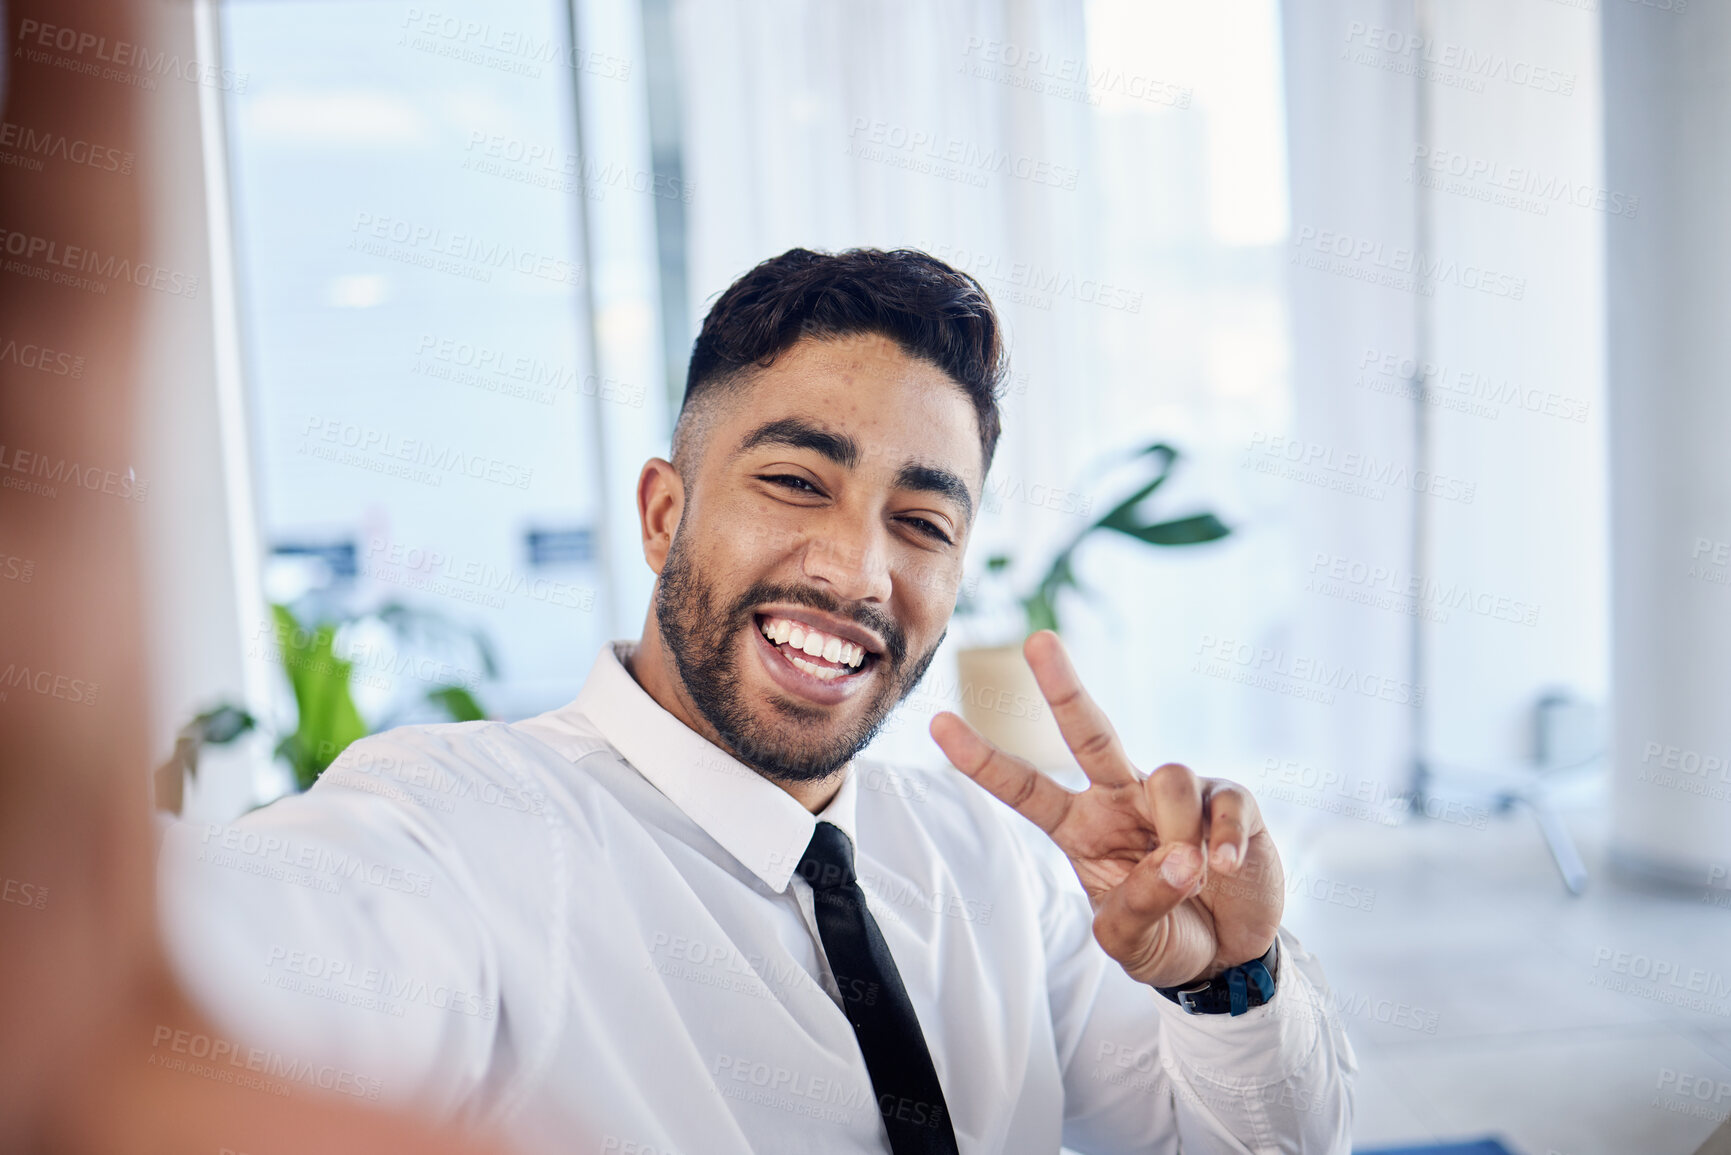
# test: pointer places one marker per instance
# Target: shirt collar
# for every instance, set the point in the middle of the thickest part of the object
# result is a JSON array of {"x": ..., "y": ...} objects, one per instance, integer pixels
[{"x": 755, "y": 820}]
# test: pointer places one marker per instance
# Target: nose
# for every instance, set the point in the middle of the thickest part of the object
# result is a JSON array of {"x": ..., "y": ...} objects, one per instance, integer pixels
[{"x": 856, "y": 568}]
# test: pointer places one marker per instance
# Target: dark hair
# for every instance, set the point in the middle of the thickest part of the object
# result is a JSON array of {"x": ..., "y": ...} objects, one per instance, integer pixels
[{"x": 934, "y": 312}]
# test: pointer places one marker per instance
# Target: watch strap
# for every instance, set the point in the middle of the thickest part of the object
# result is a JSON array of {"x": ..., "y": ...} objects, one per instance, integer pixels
[{"x": 1231, "y": 992}]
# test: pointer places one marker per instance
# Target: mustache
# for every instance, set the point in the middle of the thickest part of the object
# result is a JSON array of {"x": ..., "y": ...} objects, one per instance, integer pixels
[{"x": 872, "y": 618}]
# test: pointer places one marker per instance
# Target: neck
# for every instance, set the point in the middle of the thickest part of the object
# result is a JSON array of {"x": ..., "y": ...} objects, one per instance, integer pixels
[{"x": 651, "y": 667}]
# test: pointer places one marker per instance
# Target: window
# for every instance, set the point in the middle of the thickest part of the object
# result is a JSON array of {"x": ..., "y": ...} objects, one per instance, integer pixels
[{"x": 408, "y": 206}]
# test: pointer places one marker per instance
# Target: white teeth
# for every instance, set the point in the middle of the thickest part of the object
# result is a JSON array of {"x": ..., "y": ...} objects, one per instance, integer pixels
[
  {"x": 798, "y": 637},
  {"x": 826, "y": 673}
]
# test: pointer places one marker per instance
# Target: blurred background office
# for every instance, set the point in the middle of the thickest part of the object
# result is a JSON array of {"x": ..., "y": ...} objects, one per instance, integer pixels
[{"x": 1427, "y": 297}]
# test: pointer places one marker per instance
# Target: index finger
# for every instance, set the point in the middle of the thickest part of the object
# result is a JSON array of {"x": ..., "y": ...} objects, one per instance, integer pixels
[
  {"x": 1085, "y": 727},
  {"x": 1012, "y": 780}
]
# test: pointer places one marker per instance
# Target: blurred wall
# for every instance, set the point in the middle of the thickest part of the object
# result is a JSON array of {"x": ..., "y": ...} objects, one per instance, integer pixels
[
  {"x": 1667, "y": 120},
  {"x": 1448, "y": 224}
]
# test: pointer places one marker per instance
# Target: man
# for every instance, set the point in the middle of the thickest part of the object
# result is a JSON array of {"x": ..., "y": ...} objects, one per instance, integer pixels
[{"x": 677, "y": 915}]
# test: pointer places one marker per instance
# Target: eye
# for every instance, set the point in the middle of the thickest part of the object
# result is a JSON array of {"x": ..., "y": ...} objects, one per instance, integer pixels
[
  {"x": 790, "y": 481},
  {"x": 928, "y": 528}
]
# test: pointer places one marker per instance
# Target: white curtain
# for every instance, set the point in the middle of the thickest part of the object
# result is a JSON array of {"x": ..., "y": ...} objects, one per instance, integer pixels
[
  {"x": 1349, "y": 129},
  {"x": 1505, "y": 166}
]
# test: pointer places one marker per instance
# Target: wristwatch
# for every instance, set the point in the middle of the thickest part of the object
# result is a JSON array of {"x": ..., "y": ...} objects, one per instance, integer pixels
[{"x": 1233, "y": 991}]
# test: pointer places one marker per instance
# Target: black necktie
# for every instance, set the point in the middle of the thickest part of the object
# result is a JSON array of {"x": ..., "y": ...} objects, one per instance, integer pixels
[{"x": 876, "y": 1003}]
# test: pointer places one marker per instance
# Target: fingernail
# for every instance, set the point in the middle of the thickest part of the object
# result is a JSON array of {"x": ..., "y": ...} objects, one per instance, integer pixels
[
  {"x": 1181, "y": 867},
  {"x": 1225, "y": 856}
]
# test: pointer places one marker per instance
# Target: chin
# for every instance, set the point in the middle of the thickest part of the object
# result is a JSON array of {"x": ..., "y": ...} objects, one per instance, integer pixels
[{"x": 795, "y": 740}]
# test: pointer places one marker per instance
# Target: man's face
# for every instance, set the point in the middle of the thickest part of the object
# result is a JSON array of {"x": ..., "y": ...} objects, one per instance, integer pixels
[{"x": 816, "y": 560}]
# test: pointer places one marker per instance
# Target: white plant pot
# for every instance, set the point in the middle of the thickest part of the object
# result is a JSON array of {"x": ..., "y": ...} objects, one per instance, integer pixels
[{"x": 1002, "y": 701}]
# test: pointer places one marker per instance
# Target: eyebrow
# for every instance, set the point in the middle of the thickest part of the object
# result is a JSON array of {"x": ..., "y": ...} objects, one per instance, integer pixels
[
  {"x": 933, "y": 479},
  {"x": 799, "y": 433},
  {"x": 802, "y": 434}
]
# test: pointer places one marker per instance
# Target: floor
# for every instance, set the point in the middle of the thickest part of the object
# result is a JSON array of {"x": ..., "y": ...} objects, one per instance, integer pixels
[{"x": 1483, "y": 999}]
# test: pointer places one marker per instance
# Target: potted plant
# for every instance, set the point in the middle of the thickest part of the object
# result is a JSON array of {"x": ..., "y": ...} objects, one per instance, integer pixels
[
  {"x": 326, "y": 717},
  {"x": 999, "y": 696}
]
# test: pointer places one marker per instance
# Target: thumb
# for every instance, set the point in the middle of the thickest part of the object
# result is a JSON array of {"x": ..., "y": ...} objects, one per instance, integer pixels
[{"x": 1133, "y": 923}]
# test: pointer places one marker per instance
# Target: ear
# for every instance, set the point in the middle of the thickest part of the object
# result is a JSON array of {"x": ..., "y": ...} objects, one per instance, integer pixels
[{"x": 660, "y": 504}]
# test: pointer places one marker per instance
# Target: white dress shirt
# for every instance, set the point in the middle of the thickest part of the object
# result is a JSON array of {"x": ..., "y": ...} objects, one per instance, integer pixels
[{"x": 586, "y": 930}]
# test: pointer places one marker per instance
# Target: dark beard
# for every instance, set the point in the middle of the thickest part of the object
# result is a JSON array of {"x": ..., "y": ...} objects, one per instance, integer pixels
[{"x": 700, "y": 640}]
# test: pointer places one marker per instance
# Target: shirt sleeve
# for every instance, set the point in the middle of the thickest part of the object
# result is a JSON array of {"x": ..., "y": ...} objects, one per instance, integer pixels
[
  {"x": 1142, "y": 1075},
  {"x": 333, "y": 936}
]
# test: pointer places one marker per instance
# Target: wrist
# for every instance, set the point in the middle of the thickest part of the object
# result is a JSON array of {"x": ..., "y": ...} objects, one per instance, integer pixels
[
  {"x": 1233, "y": 990},
  {"x": 1221, "y": 966}
]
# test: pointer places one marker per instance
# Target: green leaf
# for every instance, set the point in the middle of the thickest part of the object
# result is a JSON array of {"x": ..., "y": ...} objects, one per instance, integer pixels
[
  {"x": 300, "y": 763},
  {"x": 1192, "y": 530},
  {"x": 1124, "y": 513},
  {"x": 1042, "y": 604},
  {"x": 222, "y": 725},
  {"x": 1042, "y": 613},
  {"x": 458, "y": 703},
  {"x": 328, "y": 720},
  {"x": 217, "y": 726}
]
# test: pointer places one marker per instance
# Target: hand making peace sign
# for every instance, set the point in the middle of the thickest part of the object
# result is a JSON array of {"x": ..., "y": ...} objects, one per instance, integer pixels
[{"x": 1183, "y": 875}]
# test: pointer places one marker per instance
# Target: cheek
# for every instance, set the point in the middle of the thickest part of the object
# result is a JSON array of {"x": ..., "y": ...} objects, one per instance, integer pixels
[
  {"x": 928, "y": 597},
  {"x": 760, "y": 535},
  {"x": 737, "y": 539}
]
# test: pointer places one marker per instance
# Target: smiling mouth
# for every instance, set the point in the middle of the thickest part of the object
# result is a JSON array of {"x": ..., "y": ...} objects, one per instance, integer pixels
[{"x": 823, "y": 656}]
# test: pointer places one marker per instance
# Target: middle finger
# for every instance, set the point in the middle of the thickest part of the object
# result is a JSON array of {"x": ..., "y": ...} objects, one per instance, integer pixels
[{"x": 1174, "y": 797}]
